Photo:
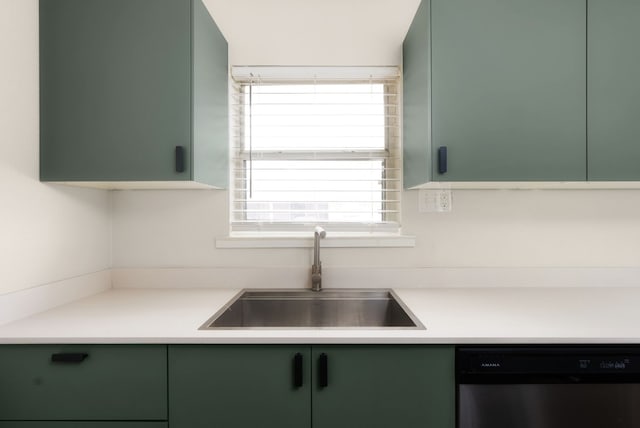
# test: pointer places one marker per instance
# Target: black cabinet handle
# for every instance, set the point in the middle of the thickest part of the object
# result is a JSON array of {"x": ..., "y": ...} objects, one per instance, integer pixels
[
  {"x": 323, "y": 371},
  {"x": 297, "y": 371},
  {"x": 442, "y": 159},
  {"x": 180, "y": 159},
  {"x": 69, "y": 357}
]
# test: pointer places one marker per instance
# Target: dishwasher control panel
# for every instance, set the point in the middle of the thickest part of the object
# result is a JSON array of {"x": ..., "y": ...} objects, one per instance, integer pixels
[{"x": 548, "y": 360}]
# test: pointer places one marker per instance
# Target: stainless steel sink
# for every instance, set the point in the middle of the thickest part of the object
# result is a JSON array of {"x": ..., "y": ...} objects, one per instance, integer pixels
[{"x": 314, "y": 309}]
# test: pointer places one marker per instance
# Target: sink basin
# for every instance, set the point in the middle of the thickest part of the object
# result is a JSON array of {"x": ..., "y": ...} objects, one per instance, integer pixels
[{"x": 314, "y": 309}]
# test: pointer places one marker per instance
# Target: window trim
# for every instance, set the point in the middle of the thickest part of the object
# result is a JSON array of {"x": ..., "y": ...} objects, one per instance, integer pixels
[{"x": 382, "y": 233}]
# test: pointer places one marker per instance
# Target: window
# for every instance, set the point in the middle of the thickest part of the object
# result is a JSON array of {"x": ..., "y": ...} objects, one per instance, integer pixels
[{"x": 315, "y": 146}]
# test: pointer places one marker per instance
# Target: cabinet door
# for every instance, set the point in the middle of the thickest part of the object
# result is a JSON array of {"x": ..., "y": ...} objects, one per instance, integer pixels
[
  {"x": 238, "y": 387},
  {"x": 81, "y": 424},
  {"x": 508, "y": 89},
  {"x": 614, "y": 92},
  {"x": 115, "y": 89},
  {"x": 83, "y": 382},
  {"x": 384, "y": 386}
]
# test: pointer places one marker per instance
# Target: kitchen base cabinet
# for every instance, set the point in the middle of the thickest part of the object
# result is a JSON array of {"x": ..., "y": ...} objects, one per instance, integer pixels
[
  {"x": 82, "y": 383},
  {"x": 81, "y": 424},
  {"x": 385, "y": 386},
  {"x": 230, "y": 386},
  {"x": 239, "y": 386},
  {"x": 614, "y": 94},
  {"x": 371, "y": 386}
]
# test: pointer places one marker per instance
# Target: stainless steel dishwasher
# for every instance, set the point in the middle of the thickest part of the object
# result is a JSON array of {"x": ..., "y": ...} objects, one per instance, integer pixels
[{"x": 548, "y": 387}]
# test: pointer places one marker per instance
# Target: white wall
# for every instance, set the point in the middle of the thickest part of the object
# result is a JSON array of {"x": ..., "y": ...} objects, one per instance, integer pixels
[
  {"x": 487, "y": 228},
  {"x": 47, "y": 233}
]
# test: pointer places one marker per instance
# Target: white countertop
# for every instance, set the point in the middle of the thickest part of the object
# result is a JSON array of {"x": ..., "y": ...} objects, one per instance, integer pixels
[{"x": 450, "y": 315}]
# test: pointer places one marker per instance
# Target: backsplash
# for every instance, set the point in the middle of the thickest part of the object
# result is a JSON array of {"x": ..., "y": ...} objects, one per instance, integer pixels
[{"x": 49, "y": 233}]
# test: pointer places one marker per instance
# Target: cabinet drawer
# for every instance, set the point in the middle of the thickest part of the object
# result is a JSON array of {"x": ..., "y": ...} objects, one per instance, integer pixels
[
  {"x": 83, "y": 382},
  {"x": 82, "y": 424}
]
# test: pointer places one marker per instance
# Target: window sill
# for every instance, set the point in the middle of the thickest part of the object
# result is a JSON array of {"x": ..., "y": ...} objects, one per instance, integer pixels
[{"x": 336, "y": 240}]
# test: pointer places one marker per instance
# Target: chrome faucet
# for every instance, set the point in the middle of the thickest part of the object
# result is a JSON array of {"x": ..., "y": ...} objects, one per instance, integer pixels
[{"x": 316, "y": 268}]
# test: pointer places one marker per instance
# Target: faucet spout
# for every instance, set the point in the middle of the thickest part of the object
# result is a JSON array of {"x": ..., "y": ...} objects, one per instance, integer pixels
[{"x": 316, "y": 268}]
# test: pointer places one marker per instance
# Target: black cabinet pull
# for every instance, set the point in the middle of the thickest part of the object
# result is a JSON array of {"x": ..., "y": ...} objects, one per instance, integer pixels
[
  {"x": 323, "y": 371},
  {"x": 180, "y": 159},
  {"x": 442, "y": 159},
  {"x": 69, "y": 357},
  {"x": 297, "y": 370}
]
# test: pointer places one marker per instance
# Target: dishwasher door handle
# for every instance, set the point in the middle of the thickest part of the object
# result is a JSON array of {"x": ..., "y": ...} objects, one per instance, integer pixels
[{"x": 323, "y": 371}]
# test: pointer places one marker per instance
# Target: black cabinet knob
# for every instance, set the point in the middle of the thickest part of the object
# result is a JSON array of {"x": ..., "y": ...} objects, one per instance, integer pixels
[{"x": 442, "y": 159}]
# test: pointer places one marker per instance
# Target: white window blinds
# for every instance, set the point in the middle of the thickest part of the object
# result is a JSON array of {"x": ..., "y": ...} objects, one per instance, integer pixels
[{"x": 315, "y": 146}]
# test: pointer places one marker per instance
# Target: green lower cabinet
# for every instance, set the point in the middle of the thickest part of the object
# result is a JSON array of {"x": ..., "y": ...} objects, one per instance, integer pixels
[
  {"x": 230, "y": 386},
  {"x": 238, "y": 386},
  {"x": 385, "y": 386},
  {"x": 82, "y": 424},
  {"x": 246, "y": 386}
]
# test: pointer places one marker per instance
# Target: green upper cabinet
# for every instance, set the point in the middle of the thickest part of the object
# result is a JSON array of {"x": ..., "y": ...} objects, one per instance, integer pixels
[
  {"x": 614, "y": 92},
  {"x": 239, "y": 386},
  {"x": 502, "y": 85},
  {"x": 351, "y": 386},
  {"x": 123, "y": 83},
  {"x": 82, "y": 383}
]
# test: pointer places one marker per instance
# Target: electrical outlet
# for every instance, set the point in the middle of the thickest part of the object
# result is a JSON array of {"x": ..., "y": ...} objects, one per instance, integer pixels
[{"x": 434, "y": 200}]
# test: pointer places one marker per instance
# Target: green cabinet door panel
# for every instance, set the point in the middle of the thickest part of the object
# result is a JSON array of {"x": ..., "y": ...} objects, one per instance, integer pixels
[
  {"x": 242, "y": 386},
  {"x": 81, "y": 424},
  {"x": 123, "y": 382},
  {"x": 508, "y": 90},
  {"x": 115, "y": 88},
  {"x": 509, "y": 98},
  {"x": 210, "y": 154},
  {"x": 613, "y": 91},
  {"x": 118, "y": 83},
  {"x": 385, "y": 386},
  {"x": 416, "y": 115}
]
